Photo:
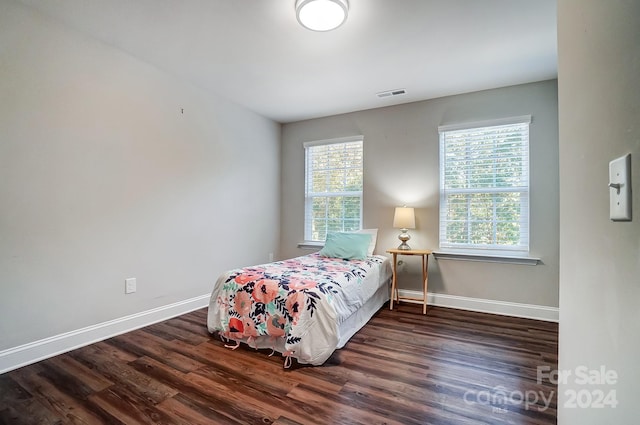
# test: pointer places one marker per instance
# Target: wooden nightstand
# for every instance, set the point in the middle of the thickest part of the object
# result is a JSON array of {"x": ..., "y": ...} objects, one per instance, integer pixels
[{"x": 394, "y": 285}]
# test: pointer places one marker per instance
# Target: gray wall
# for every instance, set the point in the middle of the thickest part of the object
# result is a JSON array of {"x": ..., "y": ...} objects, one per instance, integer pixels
[
  {"x": 103, "y": 178},
  {"x": 599, "y": 104},
  {"x": 401, "y": 167}
]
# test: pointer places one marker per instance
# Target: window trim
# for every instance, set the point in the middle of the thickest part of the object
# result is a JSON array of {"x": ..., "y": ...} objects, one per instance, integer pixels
[
  {"x": 487, "y": 256},
  {"x": 323, "y": 142},
  {"x": 458, "y": 251},
  {"x": 310, "y": 243},
  {"x": 522, "y": 119}
]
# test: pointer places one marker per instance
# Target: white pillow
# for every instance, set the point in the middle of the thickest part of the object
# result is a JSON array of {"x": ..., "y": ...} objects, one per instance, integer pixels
[{"x": 374, "y": 237}]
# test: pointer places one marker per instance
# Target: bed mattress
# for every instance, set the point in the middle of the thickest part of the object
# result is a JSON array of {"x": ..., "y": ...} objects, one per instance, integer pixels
[{"x": 304, "y": 308}]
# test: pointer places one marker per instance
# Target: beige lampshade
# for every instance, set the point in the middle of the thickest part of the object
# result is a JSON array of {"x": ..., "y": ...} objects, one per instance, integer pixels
[{"x": 404, "y": 218}]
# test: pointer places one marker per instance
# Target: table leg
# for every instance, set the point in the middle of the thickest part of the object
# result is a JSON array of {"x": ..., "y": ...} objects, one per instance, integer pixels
[
  {"x": 393, "y": 281},
  {"x": 425, "y": 278}
]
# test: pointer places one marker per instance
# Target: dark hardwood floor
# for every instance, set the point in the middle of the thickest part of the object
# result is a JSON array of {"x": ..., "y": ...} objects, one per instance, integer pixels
[{"x": 450, "y": 367}]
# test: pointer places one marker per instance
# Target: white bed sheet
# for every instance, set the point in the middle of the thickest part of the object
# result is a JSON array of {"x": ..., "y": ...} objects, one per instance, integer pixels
[{"x": 333, "y": 325}]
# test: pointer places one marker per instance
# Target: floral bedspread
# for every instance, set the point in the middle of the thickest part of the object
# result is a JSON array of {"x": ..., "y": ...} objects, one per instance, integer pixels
[{"x": 293, "y": 306}]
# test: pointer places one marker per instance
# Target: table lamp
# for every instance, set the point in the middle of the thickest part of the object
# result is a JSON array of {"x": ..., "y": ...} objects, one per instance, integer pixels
[{"x": 404, "y": 219}]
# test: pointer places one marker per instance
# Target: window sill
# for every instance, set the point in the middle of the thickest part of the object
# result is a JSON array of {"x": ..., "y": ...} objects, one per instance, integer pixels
[
  {"x": 310, "y": 245},
  {"x": 506, "y": 258}
]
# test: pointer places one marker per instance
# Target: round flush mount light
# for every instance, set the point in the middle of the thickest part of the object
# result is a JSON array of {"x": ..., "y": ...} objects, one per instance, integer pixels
[{"x": 321, "y": 15}]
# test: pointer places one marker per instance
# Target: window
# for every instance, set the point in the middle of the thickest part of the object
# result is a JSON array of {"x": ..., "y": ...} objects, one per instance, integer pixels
[
  {"x": 333, "y": 187},
  {"x": 484, "y": 185}
]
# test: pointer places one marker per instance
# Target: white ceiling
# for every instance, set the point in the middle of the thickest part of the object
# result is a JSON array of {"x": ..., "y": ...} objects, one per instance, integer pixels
[{"x": 255, "y": 53}]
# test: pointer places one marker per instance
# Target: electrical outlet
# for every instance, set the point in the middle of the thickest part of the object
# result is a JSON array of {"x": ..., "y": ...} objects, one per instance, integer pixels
[
  {"x": 401, "y": 266},
  {"x": 271, "y": 257},
  {"x": 130, "y": 285}
]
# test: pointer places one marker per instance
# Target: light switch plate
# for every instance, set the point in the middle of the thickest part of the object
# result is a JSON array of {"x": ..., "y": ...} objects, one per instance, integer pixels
[{"x": 620, "y": 188}]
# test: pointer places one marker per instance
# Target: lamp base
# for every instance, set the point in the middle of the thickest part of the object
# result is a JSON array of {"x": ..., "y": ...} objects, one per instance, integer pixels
[{"x": 404, "y": 237}]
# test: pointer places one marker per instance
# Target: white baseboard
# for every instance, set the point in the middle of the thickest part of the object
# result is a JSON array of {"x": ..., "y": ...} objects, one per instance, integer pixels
[
  {"x": 504, "y": 308},
  {"x": 32, "y": 352}
]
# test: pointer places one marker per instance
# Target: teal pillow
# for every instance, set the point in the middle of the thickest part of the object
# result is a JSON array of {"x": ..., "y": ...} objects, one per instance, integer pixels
[{"x": 349, "y": 246}]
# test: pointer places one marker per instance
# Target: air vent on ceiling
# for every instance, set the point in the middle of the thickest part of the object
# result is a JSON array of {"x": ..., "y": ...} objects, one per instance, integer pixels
[{"x": 389, "y": 93}]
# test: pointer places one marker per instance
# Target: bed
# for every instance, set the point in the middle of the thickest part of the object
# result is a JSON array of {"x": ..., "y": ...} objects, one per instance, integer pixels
[{"x": 304, "y": 308}]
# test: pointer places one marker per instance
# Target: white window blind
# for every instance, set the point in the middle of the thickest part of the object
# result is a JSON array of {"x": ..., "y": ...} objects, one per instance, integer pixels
[
  {"x": 333, "y": 187},
  {"x": 484, "y": 185}
]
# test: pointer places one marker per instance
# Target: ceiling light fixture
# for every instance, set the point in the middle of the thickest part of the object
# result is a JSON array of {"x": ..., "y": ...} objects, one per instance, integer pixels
[{"x": 321, "y": 15}]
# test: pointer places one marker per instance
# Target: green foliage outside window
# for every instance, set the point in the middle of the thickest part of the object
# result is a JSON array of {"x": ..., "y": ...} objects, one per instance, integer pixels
[
  {"x": 334, "y": 178},
  {"x": 485, "y": 187}
]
